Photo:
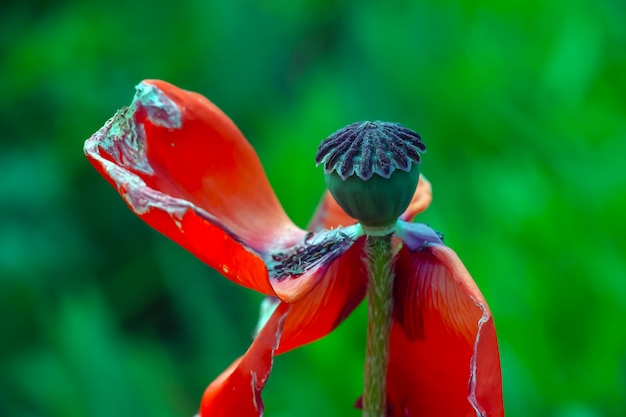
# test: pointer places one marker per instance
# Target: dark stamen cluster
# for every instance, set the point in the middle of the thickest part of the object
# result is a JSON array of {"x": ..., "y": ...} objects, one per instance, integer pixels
[
  {"x": 365, "y": 148},
  {"x": 298, "y": 260}
]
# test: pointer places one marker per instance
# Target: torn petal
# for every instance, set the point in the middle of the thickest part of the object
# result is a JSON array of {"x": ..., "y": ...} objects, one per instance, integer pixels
[
  {"x": 283, "y": 327},
  {"x": 444, "y": 357},
  {"x": 184, "y": 167},
  {"x": 237, "y": 391},
  {"x": 186, "y": 224},
  {"x": 181, "y": 145}
]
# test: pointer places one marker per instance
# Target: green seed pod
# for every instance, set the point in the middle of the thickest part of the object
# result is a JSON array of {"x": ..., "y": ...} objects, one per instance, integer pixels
[{"x": 372, "y": 170}]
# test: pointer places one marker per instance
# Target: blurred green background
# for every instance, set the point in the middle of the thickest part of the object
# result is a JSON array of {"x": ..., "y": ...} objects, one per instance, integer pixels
[{"x": 522, "y": 105}]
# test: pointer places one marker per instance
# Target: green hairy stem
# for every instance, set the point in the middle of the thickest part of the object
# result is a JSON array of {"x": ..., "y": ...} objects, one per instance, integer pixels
[{"x": 380, "y": 307}]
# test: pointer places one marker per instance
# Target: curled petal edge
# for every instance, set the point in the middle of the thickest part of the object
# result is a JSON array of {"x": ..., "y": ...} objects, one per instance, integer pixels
[
  {"x": 444, "y": 357},
  {"x": 238, "y": 388},
  {"x": 120, "y": 154},
  {"x": 283, "y": 327},
  {"x": 421, "y": 200}
]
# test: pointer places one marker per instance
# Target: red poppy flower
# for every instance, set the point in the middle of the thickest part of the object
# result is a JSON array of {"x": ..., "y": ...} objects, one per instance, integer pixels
[{"x": 184, "y": 168}]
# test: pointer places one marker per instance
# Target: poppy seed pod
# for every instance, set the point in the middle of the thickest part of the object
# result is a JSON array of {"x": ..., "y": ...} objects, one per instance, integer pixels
[{"x": 372, "y": 169}]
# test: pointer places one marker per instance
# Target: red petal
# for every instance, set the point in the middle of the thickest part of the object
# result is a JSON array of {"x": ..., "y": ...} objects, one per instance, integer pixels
[
  {"x": 329, "y": 214},
  {"x": 444, "y": 358},
  {"x": 184, "y": 167},
  {"x": 339, "y": 292},
  {"x": 237, "y": 391},
  {"x": 421, "y": 200},
  {"x": 183, "y": 146}
]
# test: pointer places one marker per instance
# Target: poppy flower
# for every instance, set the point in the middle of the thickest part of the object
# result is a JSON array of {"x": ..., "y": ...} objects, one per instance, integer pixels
[{"x": 183, "y": 167}]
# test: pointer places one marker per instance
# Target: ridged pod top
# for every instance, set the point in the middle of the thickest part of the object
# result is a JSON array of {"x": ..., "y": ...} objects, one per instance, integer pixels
[
  {"x": 367, "y": 148},
  {"x": 372, "y": 170}
]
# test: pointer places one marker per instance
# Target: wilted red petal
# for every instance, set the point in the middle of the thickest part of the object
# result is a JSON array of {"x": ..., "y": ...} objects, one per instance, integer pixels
[
  {"x": 237, "y": 391},
  {"x": 185, "y": 168},
  {"x": 421, "y": 200},
  {"x": 338, "y": 293},
  {"x": 329, "y": 214},
  {"x": 444, "y": 358}
]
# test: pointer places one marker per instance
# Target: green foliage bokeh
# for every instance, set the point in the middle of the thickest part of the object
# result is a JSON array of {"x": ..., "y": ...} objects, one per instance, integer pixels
[{"x": 522, "y": 106}]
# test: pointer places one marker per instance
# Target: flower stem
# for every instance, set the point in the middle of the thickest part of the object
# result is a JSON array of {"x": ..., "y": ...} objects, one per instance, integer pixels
[{"x": 379, "y": 305}]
